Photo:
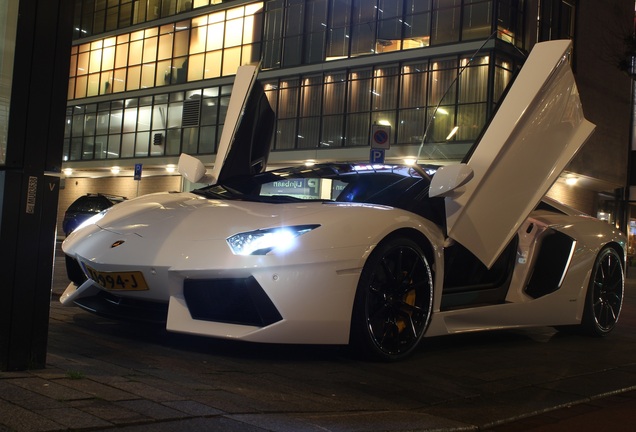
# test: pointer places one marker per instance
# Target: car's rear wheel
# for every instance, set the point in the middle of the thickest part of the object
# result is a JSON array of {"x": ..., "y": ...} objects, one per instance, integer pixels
[
  {"x": 393, "y": 301},
  {"x": 605, "y": 294}
]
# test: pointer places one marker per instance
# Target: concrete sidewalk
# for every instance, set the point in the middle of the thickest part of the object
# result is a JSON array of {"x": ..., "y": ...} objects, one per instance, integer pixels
[
  {"x": 616, "y": 413},
  {"x": 111, "y": 376},
  {"x": 106, "y": 375}
]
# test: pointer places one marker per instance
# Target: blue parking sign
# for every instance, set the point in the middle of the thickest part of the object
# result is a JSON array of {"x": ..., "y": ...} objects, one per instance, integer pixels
[
  {"x": 377, "y": 156},
  {"x": 137, "y": 175}
]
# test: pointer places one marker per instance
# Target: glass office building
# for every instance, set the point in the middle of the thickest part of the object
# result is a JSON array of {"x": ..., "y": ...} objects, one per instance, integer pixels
[{"x": 152, "y": 79}]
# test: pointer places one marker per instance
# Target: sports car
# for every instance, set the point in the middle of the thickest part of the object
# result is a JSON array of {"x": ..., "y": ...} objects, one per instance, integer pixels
[{"x": 378, "y": 256}]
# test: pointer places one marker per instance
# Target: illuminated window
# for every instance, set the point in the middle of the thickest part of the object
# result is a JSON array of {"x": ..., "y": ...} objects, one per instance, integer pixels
[
  {"x": 93, "y": 84},
  {"x": 208, "y": 46},
  {"x": 196, "y": 65},
  {"x": 132, "y": 80},
  {"x": 150, "y": 50},
  {"x": 385, "y": 87},
  {"x": 119, "y": 80},
  {"x": 213, "y": 64},
  {"x": 108, "y": 59},
  {"x": 215, "y": 30},
  {"x": 135, "y": 52},
  {"x": 82, "y": 63}
]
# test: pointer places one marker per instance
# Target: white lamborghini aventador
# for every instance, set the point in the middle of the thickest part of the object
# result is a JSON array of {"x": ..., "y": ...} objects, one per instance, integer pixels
[{"x": 378, "y": 256}]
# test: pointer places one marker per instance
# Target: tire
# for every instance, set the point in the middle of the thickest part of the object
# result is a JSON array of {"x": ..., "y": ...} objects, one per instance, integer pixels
[
  {"x": 393, "y": 301},
  {"x": 605, "y": 292}
]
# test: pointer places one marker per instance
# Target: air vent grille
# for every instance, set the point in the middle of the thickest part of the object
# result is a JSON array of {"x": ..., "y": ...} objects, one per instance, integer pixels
[{"x": 191, "y": 113}]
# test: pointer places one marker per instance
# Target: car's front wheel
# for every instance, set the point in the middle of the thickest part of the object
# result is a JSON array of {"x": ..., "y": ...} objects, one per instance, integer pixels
[
  {"x": 605, "y": 294},
  {"x": 393, "y": 301}
]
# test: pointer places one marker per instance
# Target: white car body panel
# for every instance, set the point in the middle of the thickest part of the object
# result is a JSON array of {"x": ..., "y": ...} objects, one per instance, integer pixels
[
  {"x": 314, "y": 290},
  {"x": 173, "y": 251},
  {"x": 563, "y": 307},
  {"x": 535, "y": 133}
]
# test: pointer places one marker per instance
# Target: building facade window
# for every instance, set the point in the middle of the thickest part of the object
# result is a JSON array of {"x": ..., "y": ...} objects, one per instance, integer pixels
[
  {"x": 292, "y": 32},
  {"x": 510, "y": 18},
  {"x": 442, "y": 99},
  {"x": 205, "y": 47},
  {"x": 439, "y": 100},
  {"x": 556, "y": 19},
  {"x": 92, "y": 17},
  {"x": 305, "y": 32},
  {"x": 280, "y": 33}
]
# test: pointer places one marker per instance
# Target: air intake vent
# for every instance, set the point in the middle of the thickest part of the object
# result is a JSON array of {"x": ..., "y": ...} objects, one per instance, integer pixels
[
  {"x": 157, "y": 139},
  {"x": 551, "y": 264},
  {"x": 191, "y": 113},
  {"x": 235, "y": 301}
]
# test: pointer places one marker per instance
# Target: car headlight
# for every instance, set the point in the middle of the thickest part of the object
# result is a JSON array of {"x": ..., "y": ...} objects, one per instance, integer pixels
[{"x": 262, "y": 241}]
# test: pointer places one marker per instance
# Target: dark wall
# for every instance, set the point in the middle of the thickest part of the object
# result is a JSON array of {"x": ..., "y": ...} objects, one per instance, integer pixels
[
  {"x": 599, "y": 29},
  {"x": 605, "y": 89}
]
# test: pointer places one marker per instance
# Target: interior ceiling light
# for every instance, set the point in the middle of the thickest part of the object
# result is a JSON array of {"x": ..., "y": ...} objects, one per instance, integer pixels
[
  {"x": 171, "y": 168},
  {"x": 115, "y": 170},
  {"x": 452, "y": 133},
  {"x": 68, "y": 171}
]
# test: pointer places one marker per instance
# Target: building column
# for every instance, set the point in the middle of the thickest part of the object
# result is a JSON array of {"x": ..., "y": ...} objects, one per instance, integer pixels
[{"x": 29, "y": 179}]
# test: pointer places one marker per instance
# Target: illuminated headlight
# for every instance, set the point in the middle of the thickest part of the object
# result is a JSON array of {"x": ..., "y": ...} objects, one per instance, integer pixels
[{"x": 260, "y": 242}]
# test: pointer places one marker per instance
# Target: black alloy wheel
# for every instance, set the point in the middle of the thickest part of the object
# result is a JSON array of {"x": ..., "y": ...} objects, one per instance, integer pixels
[
  {"x": 605, "y": 294},
  {"x": 393, "y": 301}
]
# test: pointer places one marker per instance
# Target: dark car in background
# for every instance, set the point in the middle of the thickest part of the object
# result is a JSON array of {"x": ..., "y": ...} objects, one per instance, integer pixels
[{"x": 86, "y": 206}]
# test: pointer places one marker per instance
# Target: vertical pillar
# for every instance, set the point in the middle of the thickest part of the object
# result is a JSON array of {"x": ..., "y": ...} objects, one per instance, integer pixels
[{"x": 29, "y": 180}]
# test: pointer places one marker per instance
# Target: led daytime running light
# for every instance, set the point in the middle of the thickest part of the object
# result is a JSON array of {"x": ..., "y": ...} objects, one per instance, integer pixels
[{"x": 261, "y": 242}]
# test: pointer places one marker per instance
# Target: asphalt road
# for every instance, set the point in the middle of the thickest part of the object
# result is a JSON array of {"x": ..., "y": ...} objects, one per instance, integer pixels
[{"x": 534, "y": 379}]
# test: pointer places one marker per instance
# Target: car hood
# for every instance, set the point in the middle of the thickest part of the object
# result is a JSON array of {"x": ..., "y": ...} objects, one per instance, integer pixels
[
  {"x": 185, "y": 230},
  {"x": 158, "y": 214}
]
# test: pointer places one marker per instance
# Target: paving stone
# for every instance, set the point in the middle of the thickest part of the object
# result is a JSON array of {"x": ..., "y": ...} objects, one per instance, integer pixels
[
  {"x": 50, "y": 389},
  {"x": 74, "y": 418},
  {"x": 18, "y": 419},
  {"x": 111, "y": 412},
  {"x": 153, "y": 409},
  {"x": 193, "y": 425},
  {"x": 26, "y": 398},
  {"x": 490, "y": 410},
  {"x": 12, "y": 375},
  {"x": 50, "y": 373},
  {"x": 146, "y": 391},
  {"x": 193, "y": 408},
  {"x": 352, "y": 422},
  {"x": 97, "y": 389},
  {"x": 601, "y": 383}
]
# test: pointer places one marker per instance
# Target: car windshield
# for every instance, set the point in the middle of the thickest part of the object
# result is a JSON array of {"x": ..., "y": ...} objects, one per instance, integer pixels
[
  {"x": 89, "y": 205},
  {"x": 378, "y": 184}
]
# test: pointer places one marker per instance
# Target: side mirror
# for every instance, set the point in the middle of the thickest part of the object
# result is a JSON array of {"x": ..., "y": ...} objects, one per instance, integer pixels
[
  {"x": 449, "y": 178},
  {"x": 193, "y": 170}
]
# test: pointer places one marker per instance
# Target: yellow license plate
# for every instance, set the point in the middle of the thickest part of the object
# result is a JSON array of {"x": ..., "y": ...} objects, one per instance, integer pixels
[{"x": 118, "y": 281}]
